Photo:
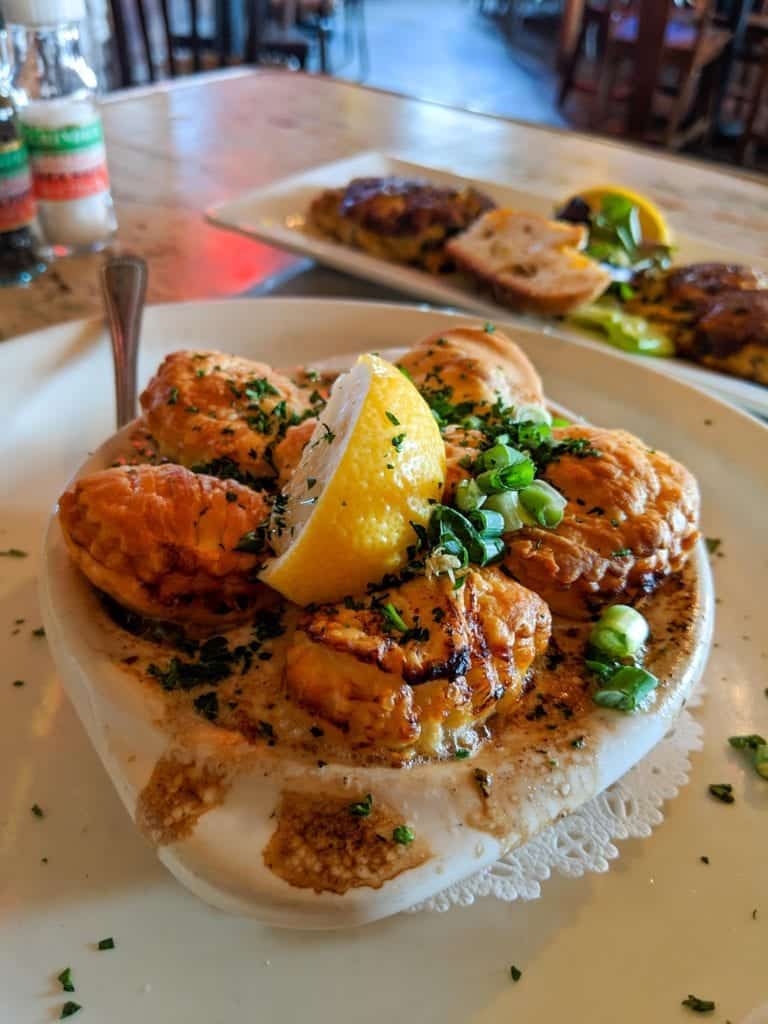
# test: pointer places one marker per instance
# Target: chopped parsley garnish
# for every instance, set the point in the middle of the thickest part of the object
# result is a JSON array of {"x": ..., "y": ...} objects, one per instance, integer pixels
[
  {"x": 713, "y": 543},
  {"x": 756, "y": 748},
  {"x": 106, "y": 943},
  {"x": 488, "y": 327},
  {"x": 392, "y": 418},
  {"x": 484, "y": 781},
  {"x": 266, "y": 729},
  {"x": 621, "y": 552},
  {"x": 254, "y": 542},
  {"x": 579, "y": 742},
  {"x": 13, "y": 553},
  {"x": 397, "y": 442},
  {"x": 311, "y": 481},
  {"x": 461, "y": 753},
  {"x": 722, "y": 791},
  {"x": 173, "y": 397},
  {"x": 65, "y": 980},
  {"x": 438, "y": 614},
  {"x": 257, "y": 388},
  {"x": 363, "y": 808},
  {"x": 329, "y": 437},
  {"x": 698, "y": 1005},
  {"x": 207, "y": 705},
  {"x": 69, "y": 1009},
  {"x": 40, "y": 631},
  {"x": 37, "y": 810},
  {"x": 403, "y": 835},
  {"x": 515, "y": 973},
  {"x": 227, "y": 469}
]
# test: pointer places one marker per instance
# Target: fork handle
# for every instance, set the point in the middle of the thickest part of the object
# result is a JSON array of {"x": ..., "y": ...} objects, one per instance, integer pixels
[{"x": 124, "y": 286}]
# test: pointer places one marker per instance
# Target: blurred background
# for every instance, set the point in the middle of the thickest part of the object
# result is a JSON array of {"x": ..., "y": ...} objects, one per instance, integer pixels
[{"x": 686, "y": 75}]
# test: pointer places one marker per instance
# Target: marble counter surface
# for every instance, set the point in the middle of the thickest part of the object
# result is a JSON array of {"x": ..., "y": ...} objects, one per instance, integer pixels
[{"x": 178, "y": 147}]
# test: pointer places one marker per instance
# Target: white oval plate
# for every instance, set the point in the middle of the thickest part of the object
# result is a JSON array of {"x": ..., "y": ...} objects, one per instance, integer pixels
[{"x": 656, "y": 927}]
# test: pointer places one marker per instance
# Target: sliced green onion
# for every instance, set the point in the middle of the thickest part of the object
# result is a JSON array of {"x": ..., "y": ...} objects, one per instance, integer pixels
[
  {"x": 761, "y": 760},
  {"x": 499, "y": 456},
  {"x": 620, "y": 632},
  {"x": 510, "y": 478},
  {"x": 393, "y": 617},
  {"x": 543, "y": 503},
  {"x": 508, "y": 505},
  {"x": 627, "y": 332},
  {"x": 468, "y": 496},
  {"x": 491, "y": 549},
  {"x": 627, "y": 689},
  {"x": 487, "y": 522},
  {"x": 532, "y": 414}
]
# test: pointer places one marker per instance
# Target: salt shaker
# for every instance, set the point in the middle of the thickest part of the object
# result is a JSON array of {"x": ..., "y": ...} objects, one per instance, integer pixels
[{"x": 54, "y": 90}]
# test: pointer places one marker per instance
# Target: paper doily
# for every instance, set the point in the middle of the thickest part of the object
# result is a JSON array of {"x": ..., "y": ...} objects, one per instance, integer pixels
[{"x": 584, "y": 841}]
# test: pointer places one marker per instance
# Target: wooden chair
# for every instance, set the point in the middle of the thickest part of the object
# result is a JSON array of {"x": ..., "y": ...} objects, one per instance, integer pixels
[
  {"x": 673, "y": 55},
  {"x": 152, "y": 40},
  {"x": 756, "y": 128}
]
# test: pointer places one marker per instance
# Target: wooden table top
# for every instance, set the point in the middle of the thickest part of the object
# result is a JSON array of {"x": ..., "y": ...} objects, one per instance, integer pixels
[{"x": 174, "y": 149}]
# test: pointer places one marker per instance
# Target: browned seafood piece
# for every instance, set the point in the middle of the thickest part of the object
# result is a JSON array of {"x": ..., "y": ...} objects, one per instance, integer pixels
[
  {"x": 629, "y": 522},
  {"x": 464, "y": 655},
  {"x": 475, "y": 368},
  {"x": 398, "y": 219},
  {"x": 221, "y": 413},
  {"x": 162, "y": 541}
]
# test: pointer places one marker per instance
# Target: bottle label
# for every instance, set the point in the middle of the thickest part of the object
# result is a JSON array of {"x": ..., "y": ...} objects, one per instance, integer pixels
[
  {"x": 17, "y": 202},
  {"x": 68, "y": 162}
]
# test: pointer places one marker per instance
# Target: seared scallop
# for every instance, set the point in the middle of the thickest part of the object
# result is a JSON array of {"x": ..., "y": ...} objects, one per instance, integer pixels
[
  {"x": 463, "y": 654},
  {"x": 629, "y": 522},
  {"x": 222, "y": 414},
  {"x": 472, "y": 368},
  {"x": 162, "y": 541}
]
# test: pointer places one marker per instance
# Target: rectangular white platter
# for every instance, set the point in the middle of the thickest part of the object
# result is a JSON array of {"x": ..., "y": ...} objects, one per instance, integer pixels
[{"x": 276, "y": 214}]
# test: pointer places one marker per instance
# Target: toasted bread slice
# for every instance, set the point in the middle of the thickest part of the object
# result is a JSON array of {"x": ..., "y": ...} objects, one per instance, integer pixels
[{"x": 529, "y": 262}]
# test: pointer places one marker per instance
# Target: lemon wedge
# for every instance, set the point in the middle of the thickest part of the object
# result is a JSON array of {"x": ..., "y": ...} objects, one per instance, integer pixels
[
  {"x": 374, "y": 465},
  {"x": 653, "y": 226}
]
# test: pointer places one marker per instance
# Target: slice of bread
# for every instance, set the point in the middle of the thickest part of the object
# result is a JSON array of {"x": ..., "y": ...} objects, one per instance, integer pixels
[{"x": 529, "y": 262}]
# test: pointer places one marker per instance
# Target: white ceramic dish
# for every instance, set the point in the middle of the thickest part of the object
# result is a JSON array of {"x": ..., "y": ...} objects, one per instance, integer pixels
[
  {"x": 634, "y": 941},
  {"x": 276, "y": 214},
  {"x": 223, "y": 860}
]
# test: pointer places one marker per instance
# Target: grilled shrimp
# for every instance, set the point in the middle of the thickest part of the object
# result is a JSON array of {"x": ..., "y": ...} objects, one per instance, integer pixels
[{"x": 162, "y": 541}]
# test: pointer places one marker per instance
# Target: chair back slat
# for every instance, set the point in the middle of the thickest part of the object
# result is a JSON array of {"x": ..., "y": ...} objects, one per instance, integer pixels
[
  {"x": 168, "y": 35},
  {"x": 144, "y": 28}
]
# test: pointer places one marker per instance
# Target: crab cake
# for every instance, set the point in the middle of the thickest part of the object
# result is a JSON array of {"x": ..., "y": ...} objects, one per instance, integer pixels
[
  {"x": 630, "y": 521},
  {"x": 463, "y": 654},
  {"x": 162, "y": 541}
]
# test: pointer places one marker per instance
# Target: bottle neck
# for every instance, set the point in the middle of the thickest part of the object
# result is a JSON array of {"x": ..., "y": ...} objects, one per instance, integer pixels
[{"x": 47, "y": 64}]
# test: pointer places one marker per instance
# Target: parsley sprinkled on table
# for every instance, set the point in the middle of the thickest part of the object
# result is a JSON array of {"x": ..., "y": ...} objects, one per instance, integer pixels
[
  {"x": 403, "y": 835},
  {"x": 713, "y": 543},
  {"x": 18, "y": 682},
  {"x": 698, "y": 1005},
  {"x": 65, "y": 980},
  {"x": 515, "y": 973},
  {"x": 69, "y": 1009},
  {"x": 106, "y": 943},
  {"x": 40, "y": 631},
  {"x": 722, "y": 791},
  {"x": 13, "y": 553},
  {"x": 704, "y": 859},
  {"x": 363, "y": 807},
  {"x": 37, "y": 810}
]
